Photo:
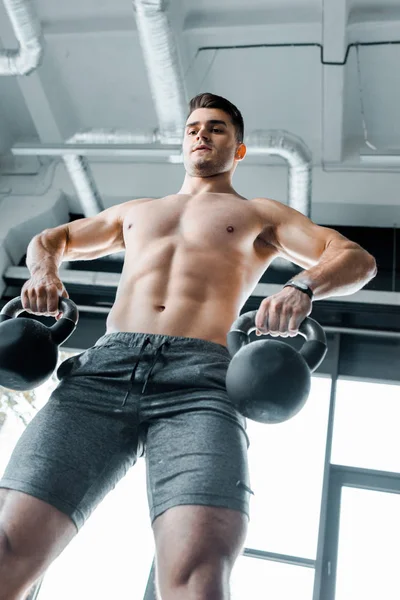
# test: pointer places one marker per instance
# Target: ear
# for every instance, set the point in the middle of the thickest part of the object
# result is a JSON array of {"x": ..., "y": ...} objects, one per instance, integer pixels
[{"x": 240, "y": 152}]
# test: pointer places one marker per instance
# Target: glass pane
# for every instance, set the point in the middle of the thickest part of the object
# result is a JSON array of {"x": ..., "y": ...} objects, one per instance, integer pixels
[
  {"x": 366, "y": 431},
  {"x": 369, "y": 545},
  {"x": 264, "y": 579},
  {"x": 10, "y": 431},
  {"x": 18, "y": 408},
  {"x": 286, "y": 473},
  {"x": 112, "y": 555}
]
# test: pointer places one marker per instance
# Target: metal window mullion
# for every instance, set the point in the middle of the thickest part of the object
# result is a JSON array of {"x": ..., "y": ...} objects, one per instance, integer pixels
[
  {"x": 281, "y": 558},
  {"x": 33, "y": 593},
  {"x": 369, "y": 479},
  {"x": 150, "y": 591},
  {"x": 331, "y": 542},
  {"x": 320, "y": 573}
]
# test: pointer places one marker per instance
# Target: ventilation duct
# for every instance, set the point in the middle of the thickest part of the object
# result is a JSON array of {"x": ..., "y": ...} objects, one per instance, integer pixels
[
  {"x": 163, "y": 67},
  {"x": 298, "y": 156},
  {"x": 28, "y": 32},
  {"x": 84, "y": 183}
]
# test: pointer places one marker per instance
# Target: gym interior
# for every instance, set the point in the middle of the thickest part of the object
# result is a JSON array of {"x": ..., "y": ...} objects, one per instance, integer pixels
[{"x": 93, "y": 98}]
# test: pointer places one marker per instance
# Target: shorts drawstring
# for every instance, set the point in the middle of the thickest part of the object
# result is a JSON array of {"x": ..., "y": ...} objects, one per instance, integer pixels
[
  {"x": 146, "y": 341},
  {"x": 157, "y": 354}
]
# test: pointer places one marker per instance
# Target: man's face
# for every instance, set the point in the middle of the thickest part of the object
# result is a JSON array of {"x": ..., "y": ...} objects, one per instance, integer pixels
[{"x": 209, "y": 144}]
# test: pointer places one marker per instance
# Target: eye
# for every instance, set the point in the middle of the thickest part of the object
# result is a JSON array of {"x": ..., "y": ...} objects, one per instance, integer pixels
[
  {"x": 191, "y": 131},
  {"x": 216, "y": 130}
]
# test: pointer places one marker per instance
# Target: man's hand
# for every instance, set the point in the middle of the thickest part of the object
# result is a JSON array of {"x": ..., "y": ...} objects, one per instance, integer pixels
[
  {"x": 41, "y": 293},
  {"x": 282, "y": 314}
]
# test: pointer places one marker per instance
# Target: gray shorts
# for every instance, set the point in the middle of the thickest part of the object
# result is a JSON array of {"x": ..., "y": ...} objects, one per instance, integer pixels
[{"x": 136, "y": 394}]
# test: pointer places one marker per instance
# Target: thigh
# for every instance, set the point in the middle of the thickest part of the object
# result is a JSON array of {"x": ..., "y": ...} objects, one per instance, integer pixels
[
  {"x": 197, "y": 458},
  {"x": 33, "y": 528},
  {"x": 73, "y": 452}
]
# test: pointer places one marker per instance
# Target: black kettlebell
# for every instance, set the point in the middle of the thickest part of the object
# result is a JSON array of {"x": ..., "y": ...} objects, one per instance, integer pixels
[
  {"x": 29, "y": 349},
  {"x": 267, "y": 380}
]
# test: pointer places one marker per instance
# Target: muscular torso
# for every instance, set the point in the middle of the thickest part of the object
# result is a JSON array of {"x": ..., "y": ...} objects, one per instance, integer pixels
[{"x": 191, "y": 263}]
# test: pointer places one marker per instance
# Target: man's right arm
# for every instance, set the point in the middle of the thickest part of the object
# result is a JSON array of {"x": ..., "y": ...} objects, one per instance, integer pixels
[{"x": 83, "y": 239}]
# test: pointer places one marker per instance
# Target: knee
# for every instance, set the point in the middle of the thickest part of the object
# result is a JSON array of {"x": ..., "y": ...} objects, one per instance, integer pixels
[
  {"x": 10, "y": 587},
  {"x": 210, "y": 580},
  {"x": 207, "y": 579}
]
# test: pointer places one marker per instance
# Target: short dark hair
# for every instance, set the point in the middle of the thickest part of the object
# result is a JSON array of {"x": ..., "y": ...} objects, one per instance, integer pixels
[{"x": 208, "y": 100}]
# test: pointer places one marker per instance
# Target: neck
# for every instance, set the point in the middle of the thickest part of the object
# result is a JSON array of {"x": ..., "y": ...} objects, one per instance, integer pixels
[{"x": 217, "y": 184}]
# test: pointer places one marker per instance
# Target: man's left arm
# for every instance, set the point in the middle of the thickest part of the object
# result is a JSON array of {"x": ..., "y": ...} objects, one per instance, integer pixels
[{"x": 334, "y": 266}]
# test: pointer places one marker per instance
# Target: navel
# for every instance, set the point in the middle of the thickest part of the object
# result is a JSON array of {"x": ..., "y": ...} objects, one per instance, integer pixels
[
  {"x": 160, "y": 308},
  {"x": 230, "y": 229}
]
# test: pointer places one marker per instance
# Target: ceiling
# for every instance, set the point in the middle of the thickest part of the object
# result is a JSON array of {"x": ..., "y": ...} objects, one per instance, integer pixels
[{"x": 323, "y": 70}]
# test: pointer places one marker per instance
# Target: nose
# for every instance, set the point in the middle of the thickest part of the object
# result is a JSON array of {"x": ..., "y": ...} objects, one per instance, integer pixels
[{"x": 202, "y": 135}]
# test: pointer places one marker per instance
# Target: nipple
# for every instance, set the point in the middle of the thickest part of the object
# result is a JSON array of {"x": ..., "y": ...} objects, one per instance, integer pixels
[{"x": 230, "y": 229}]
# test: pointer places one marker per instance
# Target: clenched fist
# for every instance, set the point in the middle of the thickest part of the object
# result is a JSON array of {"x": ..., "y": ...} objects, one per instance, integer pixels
[
  {"x": 41, "y": 293},
  {"x": 282, "y": 314}
]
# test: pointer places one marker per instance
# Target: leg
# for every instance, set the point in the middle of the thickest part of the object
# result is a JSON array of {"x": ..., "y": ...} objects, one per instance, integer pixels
[
  {"x": 196, "y": 547},
  {"x": 197, "y": 472},
  {"x": 32, "y": 535},
  {"x": 196, "y": 463}
]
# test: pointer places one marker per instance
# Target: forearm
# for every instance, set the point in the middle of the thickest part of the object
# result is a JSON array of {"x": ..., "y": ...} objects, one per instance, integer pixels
[
  {"x": 46, "y": 250},
  {"x": 341, "y": 271}
]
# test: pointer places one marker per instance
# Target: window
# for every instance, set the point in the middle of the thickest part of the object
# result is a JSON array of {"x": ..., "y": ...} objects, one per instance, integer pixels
[
  {"x": 366, "y": 431},
  {"x": 112, "y": 554},
  {"x": 263, "y": 579},
  {"x": 369, "y": 545},
  {"x": 286, "y": 474}
]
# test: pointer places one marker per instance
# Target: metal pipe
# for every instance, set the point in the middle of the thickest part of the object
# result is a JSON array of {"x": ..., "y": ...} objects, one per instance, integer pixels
[
  {"x": 28, "y": 32},
  {"x": 138, "y": 151}
]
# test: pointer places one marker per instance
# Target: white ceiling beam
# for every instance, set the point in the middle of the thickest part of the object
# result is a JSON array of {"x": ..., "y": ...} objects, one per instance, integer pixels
[
  {"x": 32, "y": 90},
  {"x": 39, "y": 107},
  {"x": 334, "y": 38}
]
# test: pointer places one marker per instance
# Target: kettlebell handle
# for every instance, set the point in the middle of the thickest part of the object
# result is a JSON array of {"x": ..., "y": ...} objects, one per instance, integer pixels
[
  {"x": 61, "y": 330},
  {"x": 313, "y": 351}
]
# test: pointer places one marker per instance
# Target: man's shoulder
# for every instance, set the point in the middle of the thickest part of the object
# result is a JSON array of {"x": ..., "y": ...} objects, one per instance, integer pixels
[
  {"x": 124, "y": 207},
  {"x": 271, "y": 210},
  {"x": 135, "y": 201}
]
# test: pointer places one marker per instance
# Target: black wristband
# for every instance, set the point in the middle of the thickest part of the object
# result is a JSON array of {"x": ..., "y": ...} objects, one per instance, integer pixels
[{"x": 303, "y": 287}]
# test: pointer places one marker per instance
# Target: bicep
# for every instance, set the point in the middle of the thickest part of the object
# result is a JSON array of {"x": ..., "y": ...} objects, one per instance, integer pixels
[{"x": 94, "y": 237}]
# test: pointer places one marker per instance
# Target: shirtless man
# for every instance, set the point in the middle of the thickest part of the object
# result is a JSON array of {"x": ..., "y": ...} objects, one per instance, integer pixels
[{"x": 155, "y": 383}]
